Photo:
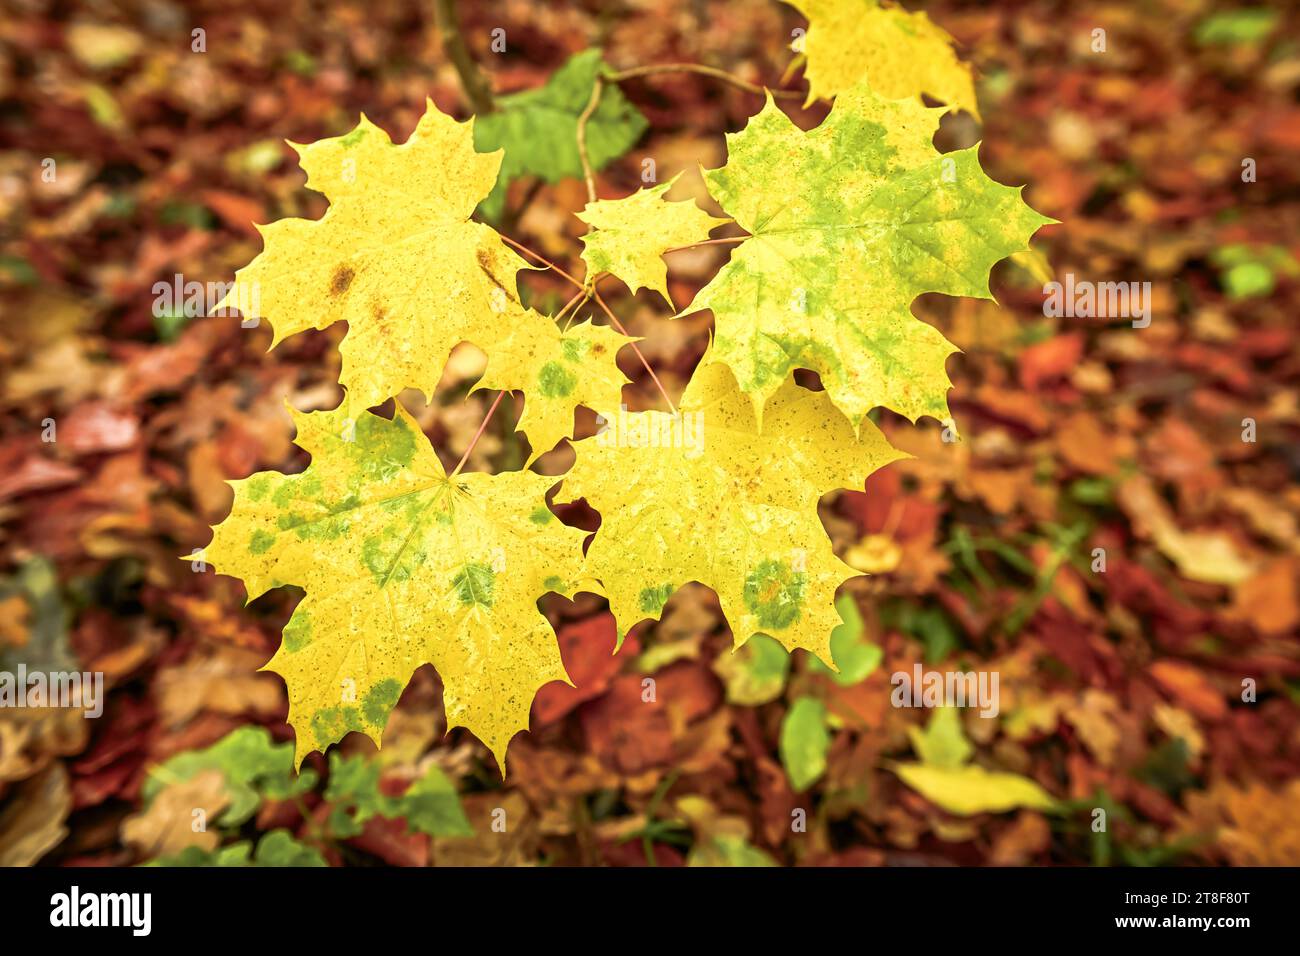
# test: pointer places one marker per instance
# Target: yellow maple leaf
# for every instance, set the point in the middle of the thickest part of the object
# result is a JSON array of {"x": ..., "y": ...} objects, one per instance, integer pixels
[
  {"x": 395, "y": 256},
  {"x": 946, "y": 778},
  {"x": 402, "y": 566},
  {"x": 971, "y": 789},
  {"x": 558, "y": 371},
  {"x": 630, "y": 235},
  {"x": 703, "y": 496},
  {"x": 900, "y": 54}
]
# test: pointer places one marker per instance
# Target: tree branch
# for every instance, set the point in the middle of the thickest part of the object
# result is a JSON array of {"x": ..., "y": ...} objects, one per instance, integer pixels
[
  {"x": 620, "y": 75},
  {"x": 472, "y": 81}
]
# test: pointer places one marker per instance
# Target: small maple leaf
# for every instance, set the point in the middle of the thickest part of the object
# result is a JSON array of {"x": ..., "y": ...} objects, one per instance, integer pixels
[
  {"x": 630, "y": 235},
  {"x": 899, "y": 53},
  {"x": 704, "y": 496},
  {"x": 557, "y": 371},
  {"x": 402, "y": 566},
  {"x": 850, "y": 222}
]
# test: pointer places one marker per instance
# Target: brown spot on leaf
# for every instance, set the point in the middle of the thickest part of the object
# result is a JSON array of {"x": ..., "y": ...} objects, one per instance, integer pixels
[{"x": 342, "y": 279}]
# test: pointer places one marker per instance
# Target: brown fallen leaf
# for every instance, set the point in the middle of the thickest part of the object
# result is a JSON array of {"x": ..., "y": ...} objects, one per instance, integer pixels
[
  {"x": 32, "y": 820},
  {"x": 170, "y": 824},
  {"x": 1210, "y": 556}
]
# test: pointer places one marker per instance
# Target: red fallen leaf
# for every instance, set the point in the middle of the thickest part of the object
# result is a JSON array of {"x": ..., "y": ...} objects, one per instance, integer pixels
[
  {"x": 587, "y": 649},
  {"x": 390, "y": 841},
  {"x": 36, "y": 473},
  {"x": 97, "y": 427},
  {"x": 884, "y": 505},
  {"x": 632, "y": 853},
  {"x": 93, "y": 789},
  {"x": 626, "y": 732},
  {"x": 1076, "y": 644},
  {"x": 690, "y": 688},
  {"x": 236, "y": 211},
  {"x": 1189, "y": 688},
  {"x": 153, "y": 369},
  {"x": 1217, "y": 363},
  {"x": 1266, "y": 343},
  {"x": 1050, "y": 360}
]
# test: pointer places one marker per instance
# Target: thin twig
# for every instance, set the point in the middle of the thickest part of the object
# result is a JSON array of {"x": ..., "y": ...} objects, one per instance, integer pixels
[
  {"x": 660, "y": 68},
  {"x": 477, "y": 435},
  {"x": 590, "y": 288},
  {"x": 542, "y": 259},
  {"x": 639, "y": 354},
  {"x": 587, "y": 174},
  {"x": 472, "y": 81},
  {"x": 580, "y": 296}
]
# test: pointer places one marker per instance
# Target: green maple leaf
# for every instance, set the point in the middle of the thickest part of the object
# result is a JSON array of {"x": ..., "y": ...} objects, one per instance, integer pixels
[
  {"x": 805, "y": 741},
  {"x": 850, "y": 222},
  {"x": 538, "y": 128}
]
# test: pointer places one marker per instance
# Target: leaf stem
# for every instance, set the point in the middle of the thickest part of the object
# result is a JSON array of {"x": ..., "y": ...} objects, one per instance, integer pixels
[
  {"x": 580, "y": 296},
  {"x": 542, "y": 259},
  {"x": 708, "y": 242},
  {"x": 588, "y": 175},
  {"x": 639, "y": 354},
  {"x": 590, "y": 288},
  {"x": 477, "y": 435}
]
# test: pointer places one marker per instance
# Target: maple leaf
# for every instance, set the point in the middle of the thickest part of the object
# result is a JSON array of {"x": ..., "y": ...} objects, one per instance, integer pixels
[
  {"x": 395, "y": 256},
  {"x": 900, "y": 53},
  {"x": 558, "y": 371},
  {"x": 850, "y": 222},
  {"x": 630, "y": 235},
  {"x": 739, "y": 516},
  {"x": 402, "y": 565},
  {"x": 538, "y": 128},
  {"x": 945, "y": 778}
]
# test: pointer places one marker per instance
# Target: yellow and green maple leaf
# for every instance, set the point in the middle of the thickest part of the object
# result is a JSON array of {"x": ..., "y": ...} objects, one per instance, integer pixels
[
  {"x": 899, "y": 53},
  {"x": 630, "y": 235},
  {"x": 402, "y": 565},
  {"x": 558, "y": 371},
  {"x": 704, "y": 496},
  {"x": 849, "y": 223}
]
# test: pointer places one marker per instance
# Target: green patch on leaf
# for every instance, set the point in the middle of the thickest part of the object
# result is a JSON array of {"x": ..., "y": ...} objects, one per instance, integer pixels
[
  {"x": 556, "y": 381},
  {"x": 775, "y": 593},
  {"x": 652, "y": 600},
  {"x": 261, "y": 542},
  {"x": 474, "y": 584}
]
